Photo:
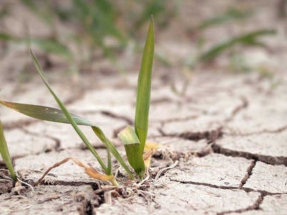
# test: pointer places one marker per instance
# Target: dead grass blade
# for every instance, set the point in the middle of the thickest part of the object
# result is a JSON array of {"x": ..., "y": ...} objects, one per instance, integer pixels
[
  {"x": 88, "y": 170},
  {"x": 149, "y": 150}
]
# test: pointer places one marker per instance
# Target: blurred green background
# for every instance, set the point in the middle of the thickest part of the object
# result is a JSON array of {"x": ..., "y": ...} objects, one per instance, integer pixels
[{"x": 75, "y": 35}]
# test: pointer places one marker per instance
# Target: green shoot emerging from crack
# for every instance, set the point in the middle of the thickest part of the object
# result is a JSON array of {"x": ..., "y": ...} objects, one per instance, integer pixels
[
  {"x": 135, "y": 141},
  {"x": 5, "y": 154}
]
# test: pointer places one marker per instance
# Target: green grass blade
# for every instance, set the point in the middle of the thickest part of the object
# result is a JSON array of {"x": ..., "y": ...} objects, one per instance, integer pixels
[
  {"x": 6, "y": 37},
  {"x": 132, "y": 147},
  {"x": 68, "y": 115},
  {"x": 5, "y": 153},
  {"x": 109, "y": 161},
  {"x": 53, "y": 46},
  {"x": 144, "y": 87},
  {"x": 112, "y": 149},
  {"x": 63, "y": 116},
  {"x": 245, "y": 39},
  {"x": 128, "y": 136},
  {"x": 57, "y": 115},
  {"x": 44, "y": 113}
]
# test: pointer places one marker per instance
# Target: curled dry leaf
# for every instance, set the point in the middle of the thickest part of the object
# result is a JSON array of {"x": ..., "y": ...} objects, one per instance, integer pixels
[
  {"x": 149, "y": 149},
  {"x": 88, "y": 169}
]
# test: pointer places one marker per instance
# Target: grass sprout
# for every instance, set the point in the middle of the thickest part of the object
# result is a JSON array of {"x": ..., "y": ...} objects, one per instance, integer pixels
[
  {"x": 5, "y": 154},
  {"x": 135, "y": 140},
  {"x": 144, "y": 88}
]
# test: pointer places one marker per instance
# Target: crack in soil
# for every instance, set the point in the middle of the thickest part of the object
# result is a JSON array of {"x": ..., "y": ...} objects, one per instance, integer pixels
[
  {"x": 244, "y": 104},
  {"x": 206, "y": 185},
  {"x": 56, "y": 140},
  {"x": 161, "y": 100},
  {"x": 204, "y": 151},
  {"x": 63, "y": 183},
  {"x": 107, "y": 113},
  {"x": 116, "y": 116},
  {"x": 79, "y": 94},
  {"x": 210, "y": 136},
  {"x": 55, "y": 148},
  {"x": 263, "y": 192},
  {"x": 179, "y": 119},
  {"x": 254, "y": 206},
  {"x": 89, "y": 209},
  {"x": 280, "y": 160},
  {"x": 19, "y": 124},
  {"x": 248, "y": 174},
  {"x": 263, "y": 131}
]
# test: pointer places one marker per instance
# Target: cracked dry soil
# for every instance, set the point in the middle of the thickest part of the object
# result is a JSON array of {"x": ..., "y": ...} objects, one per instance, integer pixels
[
  {"x": 210, "y": 162},
  {"x": 223, "y": 142}
]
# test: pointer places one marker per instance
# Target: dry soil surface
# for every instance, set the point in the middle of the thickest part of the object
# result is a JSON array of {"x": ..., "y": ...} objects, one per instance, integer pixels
[
  {"x": 223, "y": 150},
  {"x": 223, "y": 142}
]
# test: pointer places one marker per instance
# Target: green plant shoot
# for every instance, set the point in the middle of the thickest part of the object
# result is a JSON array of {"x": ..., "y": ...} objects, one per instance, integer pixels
[
  {"x": 63, "y": 116},
  {"x": 135, "y": 140},
  {"x": 97, "y": 130},
  {"x": 144, "y": 87},
  {"x": 132, "y": 147},
  {"x": 69, "y": 116},
  {"x": 5, "y": 153}
]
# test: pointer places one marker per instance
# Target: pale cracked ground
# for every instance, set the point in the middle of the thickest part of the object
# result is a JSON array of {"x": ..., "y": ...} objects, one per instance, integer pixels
[{"x": 224, "y": 148}]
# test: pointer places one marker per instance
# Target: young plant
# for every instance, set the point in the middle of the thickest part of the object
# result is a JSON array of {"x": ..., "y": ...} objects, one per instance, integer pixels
[
  {"x": 135, "y": 140},
  {"x": 134, "y": 148},
  {"x": 5, "y": 154}
]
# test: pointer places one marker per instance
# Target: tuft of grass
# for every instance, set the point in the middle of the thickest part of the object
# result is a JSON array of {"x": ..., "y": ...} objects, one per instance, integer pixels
[{"x": 134, "y": 139}]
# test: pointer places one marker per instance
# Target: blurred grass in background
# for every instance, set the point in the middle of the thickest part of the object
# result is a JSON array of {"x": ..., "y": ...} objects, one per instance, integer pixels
[
  {"x": 104, "y": 26},
  {"x": 84, "y": 31}
]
